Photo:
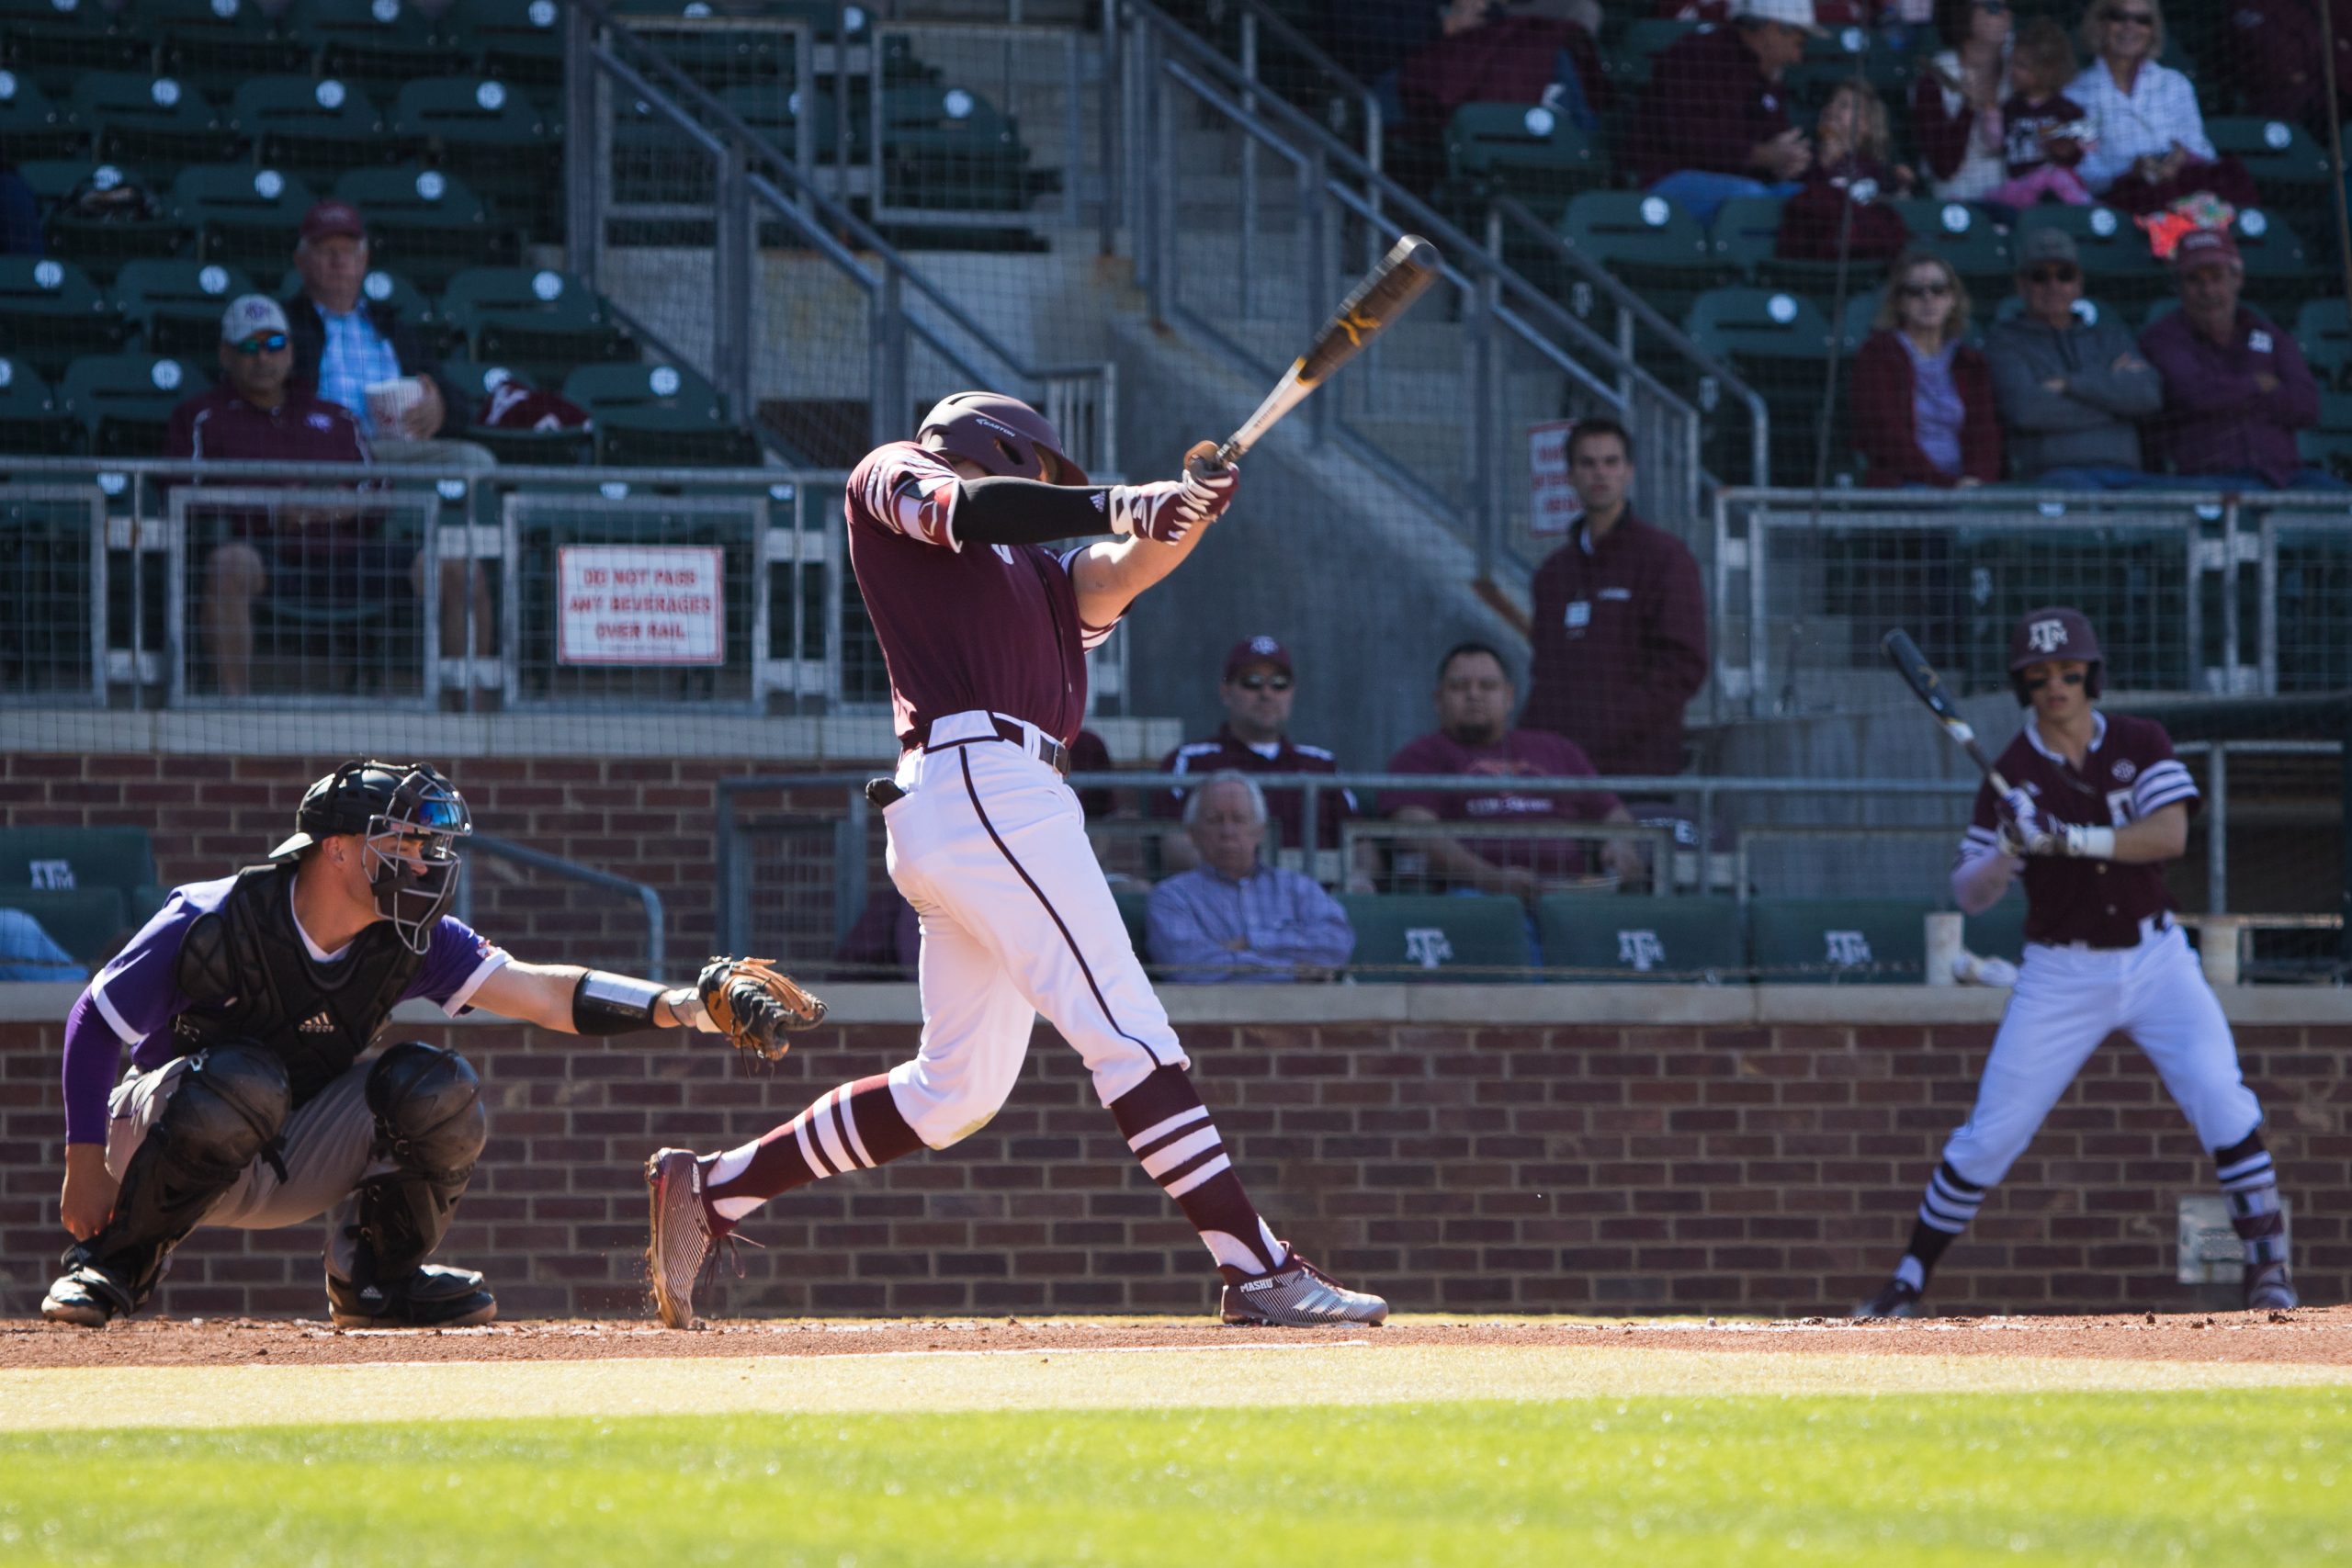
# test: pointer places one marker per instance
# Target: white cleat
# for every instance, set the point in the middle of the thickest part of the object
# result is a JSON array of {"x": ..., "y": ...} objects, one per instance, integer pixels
[
  {"x": 681, "y": 1241},
  {"x": 1300, "y": 1295}
]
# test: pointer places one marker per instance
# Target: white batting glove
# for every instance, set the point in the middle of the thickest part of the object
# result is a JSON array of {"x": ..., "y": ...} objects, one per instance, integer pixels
[
  {"x": 2084, "y": 843},
  {"x": 2023, "y": 830},
  {"x": 1167, "y": 510}
]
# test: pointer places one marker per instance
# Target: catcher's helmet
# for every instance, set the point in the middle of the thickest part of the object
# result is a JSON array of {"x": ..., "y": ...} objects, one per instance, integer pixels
[
  {"x": 2055, "y": 633},
  {"x": 1003, "y": 434},
  {"x": 388, "y": 803}
]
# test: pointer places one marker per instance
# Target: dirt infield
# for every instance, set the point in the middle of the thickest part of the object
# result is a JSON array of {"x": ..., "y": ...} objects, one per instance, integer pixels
[{"x": 2311, "y": 1336}]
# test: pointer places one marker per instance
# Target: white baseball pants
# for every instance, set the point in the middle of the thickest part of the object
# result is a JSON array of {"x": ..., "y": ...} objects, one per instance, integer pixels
[
  {"x": 2067, "y": 1001},
  {"x": 989, "y": 846}
]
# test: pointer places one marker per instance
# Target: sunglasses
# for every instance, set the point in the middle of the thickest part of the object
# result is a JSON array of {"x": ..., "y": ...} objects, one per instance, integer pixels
[
  {"x": 1925, "y": 291},
  {"x": 2130, "y": 18},
  {"x": 1263, "y": 682},
  {"x": 2069, "y": 678},
  {"x": 272, "y": 344},
  {"x": 2054, "y": 275}
]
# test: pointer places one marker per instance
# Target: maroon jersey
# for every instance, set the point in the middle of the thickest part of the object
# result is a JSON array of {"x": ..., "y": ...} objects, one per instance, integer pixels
[
  {"x": 1522, "y": 753},
  {"x": 2130, "y": 773},
  {"x": 990, "y": 627},
  {"x": 1619, "y": 645},
  {"x": 1226, "y": 750},
  {"x": 220, "y": 426}
]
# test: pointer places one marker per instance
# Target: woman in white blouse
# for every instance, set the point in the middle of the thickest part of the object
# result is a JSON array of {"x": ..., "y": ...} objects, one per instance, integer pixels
[{"x": 2152, "y": 148}]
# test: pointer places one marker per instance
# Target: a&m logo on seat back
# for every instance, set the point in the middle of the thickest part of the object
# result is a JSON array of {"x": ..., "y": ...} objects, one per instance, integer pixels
[
  {"x": 2046, "y": 636},
  {"x": 1427, "y": 946},
  {"x": 1846, "y": 950},
  {"x": 1642, "y": 950}
]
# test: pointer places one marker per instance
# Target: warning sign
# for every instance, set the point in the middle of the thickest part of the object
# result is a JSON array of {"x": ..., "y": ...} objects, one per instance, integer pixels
[
  {"x": 1552, "y": 503},
  {"x": 639, "y": 604}
]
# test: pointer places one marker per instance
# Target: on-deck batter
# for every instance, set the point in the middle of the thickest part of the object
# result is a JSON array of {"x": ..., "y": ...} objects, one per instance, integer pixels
[
  {"x": 2096, "y": 804},
  {"x": 983, "y": 633}
]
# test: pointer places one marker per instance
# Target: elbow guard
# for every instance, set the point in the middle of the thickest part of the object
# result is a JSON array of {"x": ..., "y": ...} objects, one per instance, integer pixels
[
  {"x": 606, "y": 1003},
  {"x": 1030, "y": 512}
]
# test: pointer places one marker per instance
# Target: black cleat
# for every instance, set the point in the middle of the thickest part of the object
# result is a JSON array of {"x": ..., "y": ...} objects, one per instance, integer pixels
[
  {"x": 1897, "y": 1298},
  {"x": 86, "y": 1297},
  {"x": 432, "y": 1297}
]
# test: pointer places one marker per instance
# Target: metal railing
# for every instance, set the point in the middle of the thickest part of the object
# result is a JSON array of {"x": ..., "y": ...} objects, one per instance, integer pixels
[{"x": 656, "y": 931}]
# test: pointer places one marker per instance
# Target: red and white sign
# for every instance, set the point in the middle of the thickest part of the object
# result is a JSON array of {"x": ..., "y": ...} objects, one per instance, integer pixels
[
  {"x": 1552, "y": 503},
  {"x": 639, "y": 604}
]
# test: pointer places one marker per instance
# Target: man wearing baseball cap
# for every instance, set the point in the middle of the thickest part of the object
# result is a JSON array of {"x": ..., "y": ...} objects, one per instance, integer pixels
[
  {"x": 1715, "y": 123},
  {"x": 2072, "y": 391},
  {"x": 2236, "y": 389},
  {"x": 1258, "y": 689},
  {"x": 345, "y": 343}
]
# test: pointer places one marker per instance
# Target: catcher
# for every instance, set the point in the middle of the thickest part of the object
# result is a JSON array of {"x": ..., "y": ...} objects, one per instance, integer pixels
[{"x": 249, "y": 1006}]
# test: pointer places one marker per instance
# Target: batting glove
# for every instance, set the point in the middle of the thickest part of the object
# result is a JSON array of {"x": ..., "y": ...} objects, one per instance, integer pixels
[
  {"x": 2023, "y": 830},
  {"x": 2084, "y": 843},
  {"x": 1166, "y": 511}
]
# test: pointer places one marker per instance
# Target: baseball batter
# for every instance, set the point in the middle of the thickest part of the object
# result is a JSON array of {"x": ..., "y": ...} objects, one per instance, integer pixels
[
  {"x": 2096, "y": 804},
  {"x": 984, "y": 632}
]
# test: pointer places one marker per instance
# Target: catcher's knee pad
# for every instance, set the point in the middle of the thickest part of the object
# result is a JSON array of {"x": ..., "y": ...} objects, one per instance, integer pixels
[
  {"x": 428, "y": 1110},
  {"x": 231, "y": 1102}
]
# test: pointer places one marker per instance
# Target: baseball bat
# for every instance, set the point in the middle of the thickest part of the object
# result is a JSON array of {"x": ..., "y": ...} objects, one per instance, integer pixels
[
  {"x": 1386, "y": 292},
  {"x": 1929, "y": 687}
]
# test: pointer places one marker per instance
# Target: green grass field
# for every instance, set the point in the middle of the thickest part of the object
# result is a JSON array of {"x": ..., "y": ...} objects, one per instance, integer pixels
[{"x": 1742, "y": 1459}]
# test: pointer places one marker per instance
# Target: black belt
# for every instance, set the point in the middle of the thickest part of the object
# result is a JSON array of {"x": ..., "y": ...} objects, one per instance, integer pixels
[
  {"x": 2163, "y": 924},
  {"x": 1039, "y": 744}
]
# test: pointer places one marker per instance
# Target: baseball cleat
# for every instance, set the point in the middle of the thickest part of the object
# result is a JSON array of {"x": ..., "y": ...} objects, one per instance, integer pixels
[
  {"x": 83, "y": 1297},
  {"x": 2269, "y": 1288},
  {"x": 432, "y": 1297},
  {"x": 680, "y": 1243},
  {"x": 1300, "y": 1295},
  {"x": 1898, "y": 1298}
]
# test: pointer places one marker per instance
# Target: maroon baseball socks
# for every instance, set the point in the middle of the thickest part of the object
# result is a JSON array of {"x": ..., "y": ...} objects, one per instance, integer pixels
[
  {"x": 854, "y": 1127},
  {"x": 1174, "y": 1136}
]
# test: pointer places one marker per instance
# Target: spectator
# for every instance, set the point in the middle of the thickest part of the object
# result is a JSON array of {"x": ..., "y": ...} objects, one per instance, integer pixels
[
  {"x": 1490, "y": 53},
  {"x": 1233, "y": 917},
  {"x": 28, "y": 953},
  {"x": 343, "y": 345},
  {"x": 1474, "y": 737},
  {"x": 2277, "y": 58},
  {"x": 1922, "y": 397},
  {"x": 2149, "y": 145},
  {"x": 2043, "y": 128},
  {"x": 20, "y": 214},
  {"x": 257, "y": 414},
  {"x": 2072, "y": 392},
  {"x": 1956, "y": 101},
  {"x": 1258, "y": 690},
  {"x": 1715, "y": 122},
  {"x": 1620, "y": 639},
  {"x": 1849, "y": 168},
  {"x": 2236, "y": 389}
]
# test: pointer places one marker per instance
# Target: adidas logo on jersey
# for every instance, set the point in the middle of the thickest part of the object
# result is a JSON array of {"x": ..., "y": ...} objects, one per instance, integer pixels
[{"x": 318, "y": 1023}]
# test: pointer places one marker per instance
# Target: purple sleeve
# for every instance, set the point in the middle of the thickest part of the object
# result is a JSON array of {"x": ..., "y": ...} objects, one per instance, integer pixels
[
  {"x": 457, "y": 961},
  {"x": 132, "y": 1001},
  {"x": 92, "y": 1058},
  {"x": 1417, "y": 757}
]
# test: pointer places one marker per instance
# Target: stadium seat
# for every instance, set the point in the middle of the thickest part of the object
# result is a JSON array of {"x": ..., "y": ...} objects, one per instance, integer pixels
[
  {"x": 1878, "y": 942},
  {"x": 1746, "y": 233},
  {"x": 377, "y": 45},
  {"x": 157, "y": 122},
  {"x": 951, "y": 148},
  {"x": 1634, "y": 937},
  {"x": 426, "y": 224},
  {"x": 519, "y": 42},
  {"x": 2289, "y": 167},
  {"x": 1642, "y": 40},
  {"x": 1523, "y": 150},
  {"x": 489, "y": 134},
  {"x": 34, "y": 125},
  {"x": 312, "y": 130},
  {"x": 1778, "y": 343},
  {"x": 2280, "y": 275},
  {"x": 1432, "y": 937},
  {"x": 85, "y": 922},
  {"x": 126, "y": 399},
  {"x": 538, "y": 321},
  {"x": 776, "y": 114},
  {"x": 659, "y": 416},
  {"x": 614, "y": 389},
  {"x": 527, "y": 448},
  {"x": 213, "y": 45},
  {"x": 1649, "y": 242},
  {"x": 381, "y": 288},
  {"x": 244, "y": 217},
  {"x": 1132, "y": 912},
  {"x": 101, "y": 215},
  {"x": 2117, "y": 263},
  {"x": 65, "y": 859},
  {"x": 54, "y": 45},
  {"x": 2324, "y": 331},
  {"x": 1997, "y": 932},
  {"x": 50, "y": 313},
  {"x": 1967, "y": 241},
  {"x": 2328, "y": 450},
  {"x": 32, "y": 420},
  {"x": 178, "y": 304}
]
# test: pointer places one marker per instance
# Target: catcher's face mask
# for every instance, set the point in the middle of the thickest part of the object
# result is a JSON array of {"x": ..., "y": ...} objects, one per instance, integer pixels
[{"x": 411, "y": 855}]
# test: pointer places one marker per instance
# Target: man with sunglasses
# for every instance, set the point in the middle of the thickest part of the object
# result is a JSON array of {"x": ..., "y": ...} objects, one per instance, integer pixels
[
  {"x": 249, "y": 1004},
  {"x": 2068, "y": 380},
  {"x": 2097, "y": 803},
  {"x": 1258, "y": 689}
]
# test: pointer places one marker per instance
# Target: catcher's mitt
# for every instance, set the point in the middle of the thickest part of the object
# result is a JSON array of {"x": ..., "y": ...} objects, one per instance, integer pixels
[{"x": 755, "y": 1004}]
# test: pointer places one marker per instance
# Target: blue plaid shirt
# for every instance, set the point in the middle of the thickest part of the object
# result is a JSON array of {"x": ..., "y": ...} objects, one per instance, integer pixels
[
  {"x": 355, "y": 355},
  {"x": 1281, "y": 919}
]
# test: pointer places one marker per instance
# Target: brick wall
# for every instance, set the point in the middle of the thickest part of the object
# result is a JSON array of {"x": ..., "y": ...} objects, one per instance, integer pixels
[{"x": 1595, "y": 1169}]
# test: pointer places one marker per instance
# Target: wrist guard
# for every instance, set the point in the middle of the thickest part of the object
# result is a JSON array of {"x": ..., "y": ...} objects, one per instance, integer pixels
[
  {"x": 2091, "y": 843},
  {"x": 606, "y": 1003}
]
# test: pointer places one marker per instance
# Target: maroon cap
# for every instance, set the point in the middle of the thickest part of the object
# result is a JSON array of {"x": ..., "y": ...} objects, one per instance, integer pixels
[
  {"x": 1257, "y": 651},
  {"x": 2204, "y": 245},
  {"x": 329, "y": 219}
]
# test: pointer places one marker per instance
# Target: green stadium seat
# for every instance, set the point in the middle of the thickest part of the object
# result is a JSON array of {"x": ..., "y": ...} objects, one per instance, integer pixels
[
  {"x": 2328, "y": 450},
  {"x": 1779, "y": 344},
  {"x": 513, "y": 449},
  {"x": 177, "y": 304},
  {"x": 1975, "y": 248},
  {"x": 1133, "y": 907},
  {"x": 158, "y": 122},
  {"x": 213, "y": 45},
  {"x": 1997, "y": 932},
  {"x": 489, "y": 134},
  {"x": 1644, "y": 38},
  {"x": 612, "y": 389},
  {"x": 1528, "y": 150},
  {"x": 381, "y": 288},
  {"x": 62, "y": 859},
  {"x": 85, "y": 922},
  {"x": 672, "y": 438},
  {"x": 1746, "y": 233},
  {"x": 50, "y": 313},
  {"x": 147, "y": 901},
  {"x": 2281, "y": 273},
  {"x": 312, "y": 130},
  {"x": 55, "y": 45},
  {"x": 1432, "y": 937},
  {"x": 244, "y": 217},
  {"x": 776, "y": 114},
  {"x": 33, "y": 418},
  {"x": 2324, "y": 331},
  {"x": 516, "y": 40},
  {"x": 476, "y": 379},
  {"x": 538, "y": 321},
  {"x": 101, "y": 215},
  {"x": 2335, "y": 411},
  {"x": 34, "y": 125},
  {"x": 951, "y": 148},
  {"x": 1634, "y": 938},
  {"x": 377, "y": 45},
  {"x": 1649, "y": 242},
  {"x": 2117, "y": 263},
  {"x": 2289, "y": 167},
  {"x": 427, "y": 224},
  {"x": 126, "y": 399},
  {"x": 1879, "y": 941}
]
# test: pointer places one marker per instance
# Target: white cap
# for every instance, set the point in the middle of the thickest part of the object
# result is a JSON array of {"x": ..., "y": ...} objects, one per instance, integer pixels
[
  {"x": 251, "y": 313},
  {"x": 1794, "y": 13}
]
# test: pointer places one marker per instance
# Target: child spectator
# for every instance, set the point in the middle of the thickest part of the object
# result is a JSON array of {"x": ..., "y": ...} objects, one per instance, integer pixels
[
  {"x": 2044, "y": 133},
  {"x": 1850, "y": 165}
]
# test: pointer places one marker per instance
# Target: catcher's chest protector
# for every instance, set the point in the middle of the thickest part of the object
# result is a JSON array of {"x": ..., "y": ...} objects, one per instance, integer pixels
[{"x": 249, "y": 978}]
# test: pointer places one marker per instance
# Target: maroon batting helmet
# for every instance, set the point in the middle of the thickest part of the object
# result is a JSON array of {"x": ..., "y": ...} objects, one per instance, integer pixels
[
  {"x": 2055, "y": 633},
  {"x": 1003, "y": 434}
]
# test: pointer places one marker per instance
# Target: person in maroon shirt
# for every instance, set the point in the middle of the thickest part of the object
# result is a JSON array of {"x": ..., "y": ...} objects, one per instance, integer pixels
[
  {"x": 1715, "y": 123},
  {"x": 1620, "y": 638},
  {"x": 1259, "y": 687},
  {"x": 2096, "y": 803},
  {"x": 1923, "y": 406},
  {"x": 984, "y": 632},
  {"x": 1474, "y": 697}
]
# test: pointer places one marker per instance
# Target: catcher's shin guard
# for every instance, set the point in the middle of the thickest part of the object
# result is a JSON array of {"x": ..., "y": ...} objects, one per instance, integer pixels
[
  {"x": 1300, "y": 1295},
  {"x": 430, "y": 1125},
  {"x": 223, "y": 1114}
]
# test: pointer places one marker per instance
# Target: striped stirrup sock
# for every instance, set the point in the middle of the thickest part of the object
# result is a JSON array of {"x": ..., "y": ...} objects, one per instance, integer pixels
[
  {"x": 1174, "y": 1136},
  {"x": 853, "y": 1127}
]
